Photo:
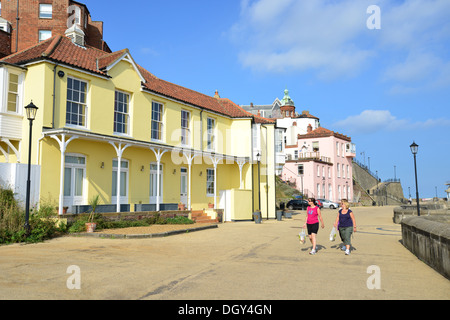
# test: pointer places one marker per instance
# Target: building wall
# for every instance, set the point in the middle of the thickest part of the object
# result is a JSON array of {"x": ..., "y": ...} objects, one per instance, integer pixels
[
  {"x": 322, "y": 170},
  {"x": 30, "y": 23},
  {"x": 233, "y": 139},
  {"x": 5, "y": 44}
]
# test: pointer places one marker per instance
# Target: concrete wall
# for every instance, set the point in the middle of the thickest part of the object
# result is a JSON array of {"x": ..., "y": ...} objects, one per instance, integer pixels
[{"x": 429, "y": 239}]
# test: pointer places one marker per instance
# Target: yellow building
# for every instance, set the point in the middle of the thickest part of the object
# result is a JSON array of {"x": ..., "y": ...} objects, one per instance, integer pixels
[{"x": 107, "y": 126}]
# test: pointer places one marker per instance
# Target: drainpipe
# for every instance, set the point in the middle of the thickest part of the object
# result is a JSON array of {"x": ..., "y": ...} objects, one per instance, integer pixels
[
  {"x": 201, "y": 131},
  {"x": 17, "y": 26},
  {"x": 54, "y": 96}
]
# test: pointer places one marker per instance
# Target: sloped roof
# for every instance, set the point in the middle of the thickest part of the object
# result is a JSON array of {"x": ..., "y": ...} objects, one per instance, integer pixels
[
  {"x": 322, "y": 133},
  {"x": 61, "y": 49},
  {"x": 306, "y": 114}
]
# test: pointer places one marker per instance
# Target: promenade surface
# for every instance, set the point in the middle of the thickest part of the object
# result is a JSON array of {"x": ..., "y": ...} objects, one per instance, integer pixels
[{"x": 241, "y": 260}]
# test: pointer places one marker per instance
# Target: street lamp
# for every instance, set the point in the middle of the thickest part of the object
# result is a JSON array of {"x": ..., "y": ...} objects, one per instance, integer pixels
[
  {"x": 414, "y": 148},
  {"x": 31, "y": 110}
]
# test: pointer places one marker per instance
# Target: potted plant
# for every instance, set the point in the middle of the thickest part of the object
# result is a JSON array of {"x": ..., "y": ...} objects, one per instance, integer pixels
[
  {"x": 91, "y": 225},
  {"x": 181, "y": 206},
  {"x": 210, "y": 205}
]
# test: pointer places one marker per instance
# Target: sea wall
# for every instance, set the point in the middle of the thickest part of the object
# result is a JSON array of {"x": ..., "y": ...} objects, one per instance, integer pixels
[{"x": 429, "y": 239}]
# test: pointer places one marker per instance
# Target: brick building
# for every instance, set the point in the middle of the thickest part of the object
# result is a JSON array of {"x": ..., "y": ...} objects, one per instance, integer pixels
[
  {"x": 5, "y": 43},
  {"x": 29, "y": 22}
]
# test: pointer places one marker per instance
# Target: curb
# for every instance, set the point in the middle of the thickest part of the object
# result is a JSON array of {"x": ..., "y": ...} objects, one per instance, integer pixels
[{"x": 142, "y": 236}]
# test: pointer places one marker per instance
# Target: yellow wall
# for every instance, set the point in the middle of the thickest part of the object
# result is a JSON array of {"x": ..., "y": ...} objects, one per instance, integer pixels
[
  {"x": 232, "y": 137},
  {"x": 241, "y": 202}
]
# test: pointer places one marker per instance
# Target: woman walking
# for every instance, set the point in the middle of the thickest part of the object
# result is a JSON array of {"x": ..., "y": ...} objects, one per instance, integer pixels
[
  {"x": 347, "y": 225},
  {"x": 312, "y": 222}
]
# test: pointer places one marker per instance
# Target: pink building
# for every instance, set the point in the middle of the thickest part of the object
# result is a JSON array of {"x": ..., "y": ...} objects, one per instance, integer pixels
[
  {"x": 320, "y": 164},
  {"x": 318, "y": 160}
]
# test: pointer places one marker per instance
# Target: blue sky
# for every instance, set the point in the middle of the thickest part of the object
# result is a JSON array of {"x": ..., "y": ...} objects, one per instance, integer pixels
[{"x": 384, "y": 87}]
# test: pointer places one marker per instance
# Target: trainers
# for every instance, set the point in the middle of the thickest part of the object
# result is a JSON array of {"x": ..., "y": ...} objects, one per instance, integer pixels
[
  {"x": 347, "y": 252},
  {"x": 313, "y": 251},
  {"x": 343, "y": 248}
]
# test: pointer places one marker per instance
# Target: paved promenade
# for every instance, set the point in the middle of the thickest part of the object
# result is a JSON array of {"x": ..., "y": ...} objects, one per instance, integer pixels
[{"x": 235, "y": 261}]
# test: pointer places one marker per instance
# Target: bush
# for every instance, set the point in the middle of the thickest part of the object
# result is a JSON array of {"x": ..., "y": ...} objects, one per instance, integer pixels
[
  {"x": 79, "y": 224},
  {"x": 12, "y": 221},
  {"x": 179, "y": 220}
]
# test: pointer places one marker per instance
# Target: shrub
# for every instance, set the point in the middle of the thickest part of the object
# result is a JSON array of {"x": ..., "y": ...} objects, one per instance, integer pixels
[
  {"x": 78, "y": 225},
  {"x": 179, "y": 220},
  {"x": 12, "y": 221}
]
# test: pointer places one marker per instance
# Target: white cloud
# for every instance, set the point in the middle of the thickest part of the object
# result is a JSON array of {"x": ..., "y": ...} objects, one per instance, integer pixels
[
  {"x": 148, "y": 51},
  {"x": 277, "y": 36},
  {"x": 331, "y": 39},
  {"x": 371, "y": 121}
]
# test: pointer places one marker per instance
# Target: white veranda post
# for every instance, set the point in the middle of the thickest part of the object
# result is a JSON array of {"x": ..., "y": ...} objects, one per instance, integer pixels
[
  {"x": 62, "y": 147},
  {"x": 120, "y": 148},
  {"x": 158, "y": 154}
]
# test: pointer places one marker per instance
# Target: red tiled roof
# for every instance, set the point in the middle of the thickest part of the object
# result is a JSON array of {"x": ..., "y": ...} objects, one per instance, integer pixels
[
  {"x": 61, "y": 49},
  {"x": 323, "y": 132},
  {"x": 109, "y": 58},
  {"x": 306, "y": 114}
]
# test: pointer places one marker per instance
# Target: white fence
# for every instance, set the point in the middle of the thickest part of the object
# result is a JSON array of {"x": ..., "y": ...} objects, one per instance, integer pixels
[{"x": 14, "y": 176}]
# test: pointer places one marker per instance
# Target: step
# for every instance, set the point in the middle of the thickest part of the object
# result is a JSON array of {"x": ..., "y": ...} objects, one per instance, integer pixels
[{"x": 201, "y": 217}]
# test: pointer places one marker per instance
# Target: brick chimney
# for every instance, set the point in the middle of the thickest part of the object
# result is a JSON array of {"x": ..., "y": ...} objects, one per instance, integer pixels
[{"x": 309, "y": 128}]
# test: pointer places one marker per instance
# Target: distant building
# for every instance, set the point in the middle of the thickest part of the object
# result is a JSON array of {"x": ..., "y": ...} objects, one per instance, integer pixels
[
  {"x": 318, "y": 160},
  {"x": 448, "y": 190},
  {"x": 320, "y": 164},
  {"x": 267, "y": 111}
]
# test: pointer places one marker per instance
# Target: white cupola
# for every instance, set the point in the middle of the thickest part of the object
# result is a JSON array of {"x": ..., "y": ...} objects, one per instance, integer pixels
[{"x": 76, "y": 35}]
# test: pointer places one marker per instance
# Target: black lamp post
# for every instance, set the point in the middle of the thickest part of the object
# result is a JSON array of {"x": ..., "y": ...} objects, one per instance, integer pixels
[
  {"x": 414, "y": 148},
  {"x": 258, "y": 158},
  {"x": 31, "y": 110}
]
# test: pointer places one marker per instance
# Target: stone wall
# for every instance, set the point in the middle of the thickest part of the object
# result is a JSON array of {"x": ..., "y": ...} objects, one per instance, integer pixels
[
  {"x": 427, "y": 209},
  {"x": 429, "y": 239},
  {"x": 364, "y": 178}
]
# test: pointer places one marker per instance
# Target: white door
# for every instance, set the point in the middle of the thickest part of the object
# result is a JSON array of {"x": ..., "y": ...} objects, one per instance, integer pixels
[
  {"x": 225, "y": 204},
  {"x": 153, "y": 182},
  {"x": 183, "y": 185},
  {"x": 74, "y": 177},
  {"x": 123, "y": 182}
]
